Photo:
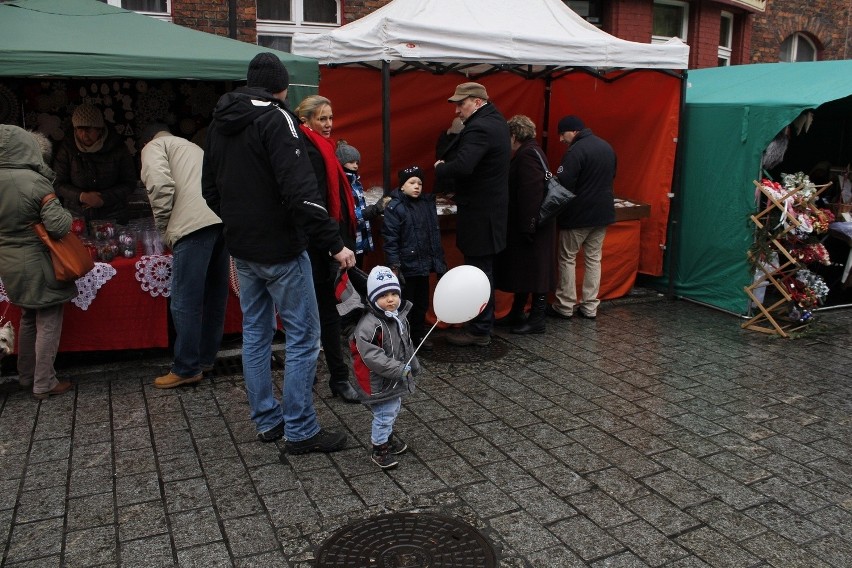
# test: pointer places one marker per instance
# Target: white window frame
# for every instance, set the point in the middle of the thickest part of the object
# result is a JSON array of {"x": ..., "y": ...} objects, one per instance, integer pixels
[
  {"x": 684, "y": 26},
  {"x": 297, "y": 24},
  {"x": 725, "y": 50},
  {"x": 796, "y": 38},
  {"x": 165, "y": 16}
]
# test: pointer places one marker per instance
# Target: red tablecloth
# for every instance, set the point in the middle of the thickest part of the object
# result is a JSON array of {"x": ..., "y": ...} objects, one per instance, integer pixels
[{"x": 122, "y": 316}]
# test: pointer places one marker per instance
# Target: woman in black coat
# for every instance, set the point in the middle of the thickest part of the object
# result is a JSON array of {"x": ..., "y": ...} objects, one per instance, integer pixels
[{"x": 526, "y": 266}]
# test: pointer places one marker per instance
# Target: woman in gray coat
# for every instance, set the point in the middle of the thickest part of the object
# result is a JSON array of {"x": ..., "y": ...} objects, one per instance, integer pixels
[{"x": 25, "y": 265}]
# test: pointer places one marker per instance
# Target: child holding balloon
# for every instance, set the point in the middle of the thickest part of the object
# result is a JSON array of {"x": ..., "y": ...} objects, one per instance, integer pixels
[
  {"x": 385, "y": 364},
  {"x": 412, "y": 245}
]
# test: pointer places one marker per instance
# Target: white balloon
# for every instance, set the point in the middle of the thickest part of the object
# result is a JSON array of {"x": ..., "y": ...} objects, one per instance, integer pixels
[{"x": 461, "y": 294}]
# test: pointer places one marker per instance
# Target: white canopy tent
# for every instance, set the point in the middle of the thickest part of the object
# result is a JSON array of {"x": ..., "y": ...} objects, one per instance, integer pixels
[
  {"x": 536, "y": 57},
  {"x": 485, "y": 33}
]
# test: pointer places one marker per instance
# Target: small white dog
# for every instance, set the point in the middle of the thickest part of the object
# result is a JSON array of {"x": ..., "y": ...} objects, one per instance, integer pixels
[{"x": 7, "y": 339}]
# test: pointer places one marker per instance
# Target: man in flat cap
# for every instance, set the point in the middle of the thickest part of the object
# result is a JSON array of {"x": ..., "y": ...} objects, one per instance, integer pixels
[
  {"x": 258, "y": 179},
  {"x": 480, "y": 170},
  {"x": 587, "y": 169}
]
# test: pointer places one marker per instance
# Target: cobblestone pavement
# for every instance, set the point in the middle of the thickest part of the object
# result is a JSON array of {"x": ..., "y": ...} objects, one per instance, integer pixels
[{"x": 660, "y": 434}]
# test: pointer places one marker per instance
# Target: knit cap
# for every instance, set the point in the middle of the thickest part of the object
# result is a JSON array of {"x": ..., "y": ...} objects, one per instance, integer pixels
[
  {"x": 87, "y": 114},
  {"x": 570, "y": 123},
  {"x": 380, "y": 281},
  {"x": 346, "y": 153},
  {"x": 408, "y": 173},
  {"x": 267, "y": 72}
]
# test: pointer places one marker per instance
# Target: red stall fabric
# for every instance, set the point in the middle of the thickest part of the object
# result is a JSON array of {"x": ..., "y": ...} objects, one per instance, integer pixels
[
  {"x": 638, "y": 114},
  {"x": 419, "y": 113},
  {"x": 636, "y": 111},
  {"x": 122, "y": 316}
]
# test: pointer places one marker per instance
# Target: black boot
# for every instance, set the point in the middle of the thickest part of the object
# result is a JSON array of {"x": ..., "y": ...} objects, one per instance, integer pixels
[
  {"x": 535, "y": 321},
  {"x": 344, "y": 390},
  {"x": 516, "y": 315}
]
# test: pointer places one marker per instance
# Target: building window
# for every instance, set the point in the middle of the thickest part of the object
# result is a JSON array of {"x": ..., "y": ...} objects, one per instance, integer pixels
[
  {"x": 798, "y": 47},
  {"x": 589, "y": 10},
  {"x": 726, "y": 34},
  {"x": 671, "y": 19},
  {"x": 278, "y": 20},
  {"x": 158, "y": 8}
]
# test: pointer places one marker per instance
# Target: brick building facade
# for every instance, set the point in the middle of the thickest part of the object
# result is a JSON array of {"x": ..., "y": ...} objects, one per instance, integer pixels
[
  {"x": 825, "y": 23},
  {"x": 757, "y": 34},
  {"x": 214, "y": 16}
]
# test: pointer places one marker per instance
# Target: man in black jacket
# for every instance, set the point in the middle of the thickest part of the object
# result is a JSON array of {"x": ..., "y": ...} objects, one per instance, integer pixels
[
  {"x": 587, "y": 169},
  {"x": 480, "y": 169},
  {"x": 258, "y": 179}
]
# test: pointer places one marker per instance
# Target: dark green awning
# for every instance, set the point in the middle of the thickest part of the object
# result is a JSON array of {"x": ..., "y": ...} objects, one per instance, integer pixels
[{"x": 87, "y": 38}]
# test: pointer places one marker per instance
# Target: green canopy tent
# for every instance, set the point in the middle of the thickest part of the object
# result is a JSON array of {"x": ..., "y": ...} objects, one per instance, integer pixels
[
  {"x": 732, "y": 113},
  {"x": 87, "y": 38}
]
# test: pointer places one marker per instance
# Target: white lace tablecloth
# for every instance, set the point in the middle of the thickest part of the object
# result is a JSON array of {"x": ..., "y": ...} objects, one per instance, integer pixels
[
  {"x": 87, "y": 286},
  {"x": 154, "y": 274}
]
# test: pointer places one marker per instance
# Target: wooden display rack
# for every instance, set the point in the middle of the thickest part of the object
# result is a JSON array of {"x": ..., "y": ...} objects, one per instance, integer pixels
[{"x": 773, "y": 318}]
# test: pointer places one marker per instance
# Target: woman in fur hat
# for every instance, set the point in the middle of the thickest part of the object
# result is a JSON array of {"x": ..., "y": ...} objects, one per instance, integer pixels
[{"x": 95, "y": 173}]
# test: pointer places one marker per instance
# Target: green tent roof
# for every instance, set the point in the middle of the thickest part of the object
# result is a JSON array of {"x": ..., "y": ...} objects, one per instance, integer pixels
[
  {"x": 732, "y": 113},
  {"x": 87, "y": 38}
]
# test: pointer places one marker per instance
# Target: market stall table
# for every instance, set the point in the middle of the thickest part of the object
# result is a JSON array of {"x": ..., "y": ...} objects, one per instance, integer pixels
[
  {"x": 619, "y": 265},
  {"x": 122, "y": 306}
]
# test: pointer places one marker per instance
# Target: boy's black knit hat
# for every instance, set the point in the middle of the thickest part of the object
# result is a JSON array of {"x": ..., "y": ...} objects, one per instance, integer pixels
[{"x": 408, "y": 173}]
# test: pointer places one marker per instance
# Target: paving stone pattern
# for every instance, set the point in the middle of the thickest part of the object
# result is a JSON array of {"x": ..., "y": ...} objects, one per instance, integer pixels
[{"x": 660, "y": 434}]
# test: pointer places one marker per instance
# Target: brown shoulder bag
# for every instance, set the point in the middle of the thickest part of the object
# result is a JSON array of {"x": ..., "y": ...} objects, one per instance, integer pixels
[{"x": 70, "y": 258}]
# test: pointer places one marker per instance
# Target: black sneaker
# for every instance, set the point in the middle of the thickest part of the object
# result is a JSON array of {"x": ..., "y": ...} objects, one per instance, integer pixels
[
  {"x": 382, "y": 456},
  {"x": 274, "y": 433},
  {"x": 324, "y": 441},
  {"x": 396, "y": 446}
]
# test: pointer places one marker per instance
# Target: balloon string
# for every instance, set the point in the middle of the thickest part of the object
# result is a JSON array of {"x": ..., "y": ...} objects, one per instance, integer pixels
[{"x": 422, "y": 342}]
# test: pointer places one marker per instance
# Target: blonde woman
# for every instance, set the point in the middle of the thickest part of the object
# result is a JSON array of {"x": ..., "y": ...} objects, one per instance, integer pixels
[{"x": 317, "y": 119}]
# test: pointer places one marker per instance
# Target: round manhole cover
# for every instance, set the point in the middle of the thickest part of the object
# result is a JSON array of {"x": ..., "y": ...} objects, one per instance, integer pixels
[
  {"x": 444, "y": 352},
  {"x": 407, "y": 540}
]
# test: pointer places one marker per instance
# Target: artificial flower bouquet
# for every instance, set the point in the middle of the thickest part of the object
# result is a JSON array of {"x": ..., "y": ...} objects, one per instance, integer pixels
[
  {"x": 808, "y": 290},
  {"x": 797, "y": 224}
]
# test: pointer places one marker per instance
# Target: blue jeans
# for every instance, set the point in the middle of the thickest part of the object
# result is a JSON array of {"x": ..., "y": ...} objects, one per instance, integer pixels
[
  {"x": 384, "y": 417},
  {"x": 289, "y": 287},
  {"x": 198, "y": 298}
]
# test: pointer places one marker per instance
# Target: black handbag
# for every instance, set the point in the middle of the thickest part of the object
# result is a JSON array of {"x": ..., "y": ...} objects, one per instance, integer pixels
[{"x": 556, "y": 197}]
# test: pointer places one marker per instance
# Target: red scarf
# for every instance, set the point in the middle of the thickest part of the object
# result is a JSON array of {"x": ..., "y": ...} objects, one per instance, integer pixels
[{"x": 335, "y": 178}]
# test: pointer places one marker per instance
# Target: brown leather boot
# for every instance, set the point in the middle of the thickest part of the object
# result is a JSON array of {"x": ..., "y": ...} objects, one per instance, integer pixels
[
  {"x": 61, "y": 387},
  {"x": 171, "y": 380}
]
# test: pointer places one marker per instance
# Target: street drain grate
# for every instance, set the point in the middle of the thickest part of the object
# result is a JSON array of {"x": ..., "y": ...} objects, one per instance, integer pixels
[
  {"x": 443, "y": 352},
  {"x": 407, "y": 540},
  {"x": 233, "y": 365}
]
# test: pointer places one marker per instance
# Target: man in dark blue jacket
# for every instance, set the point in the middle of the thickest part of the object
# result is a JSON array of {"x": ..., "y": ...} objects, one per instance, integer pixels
[
  {"x": 480, "y": 169},
  {"x": 257, "y": 177},
  {"x": 587, "y": 169}
]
